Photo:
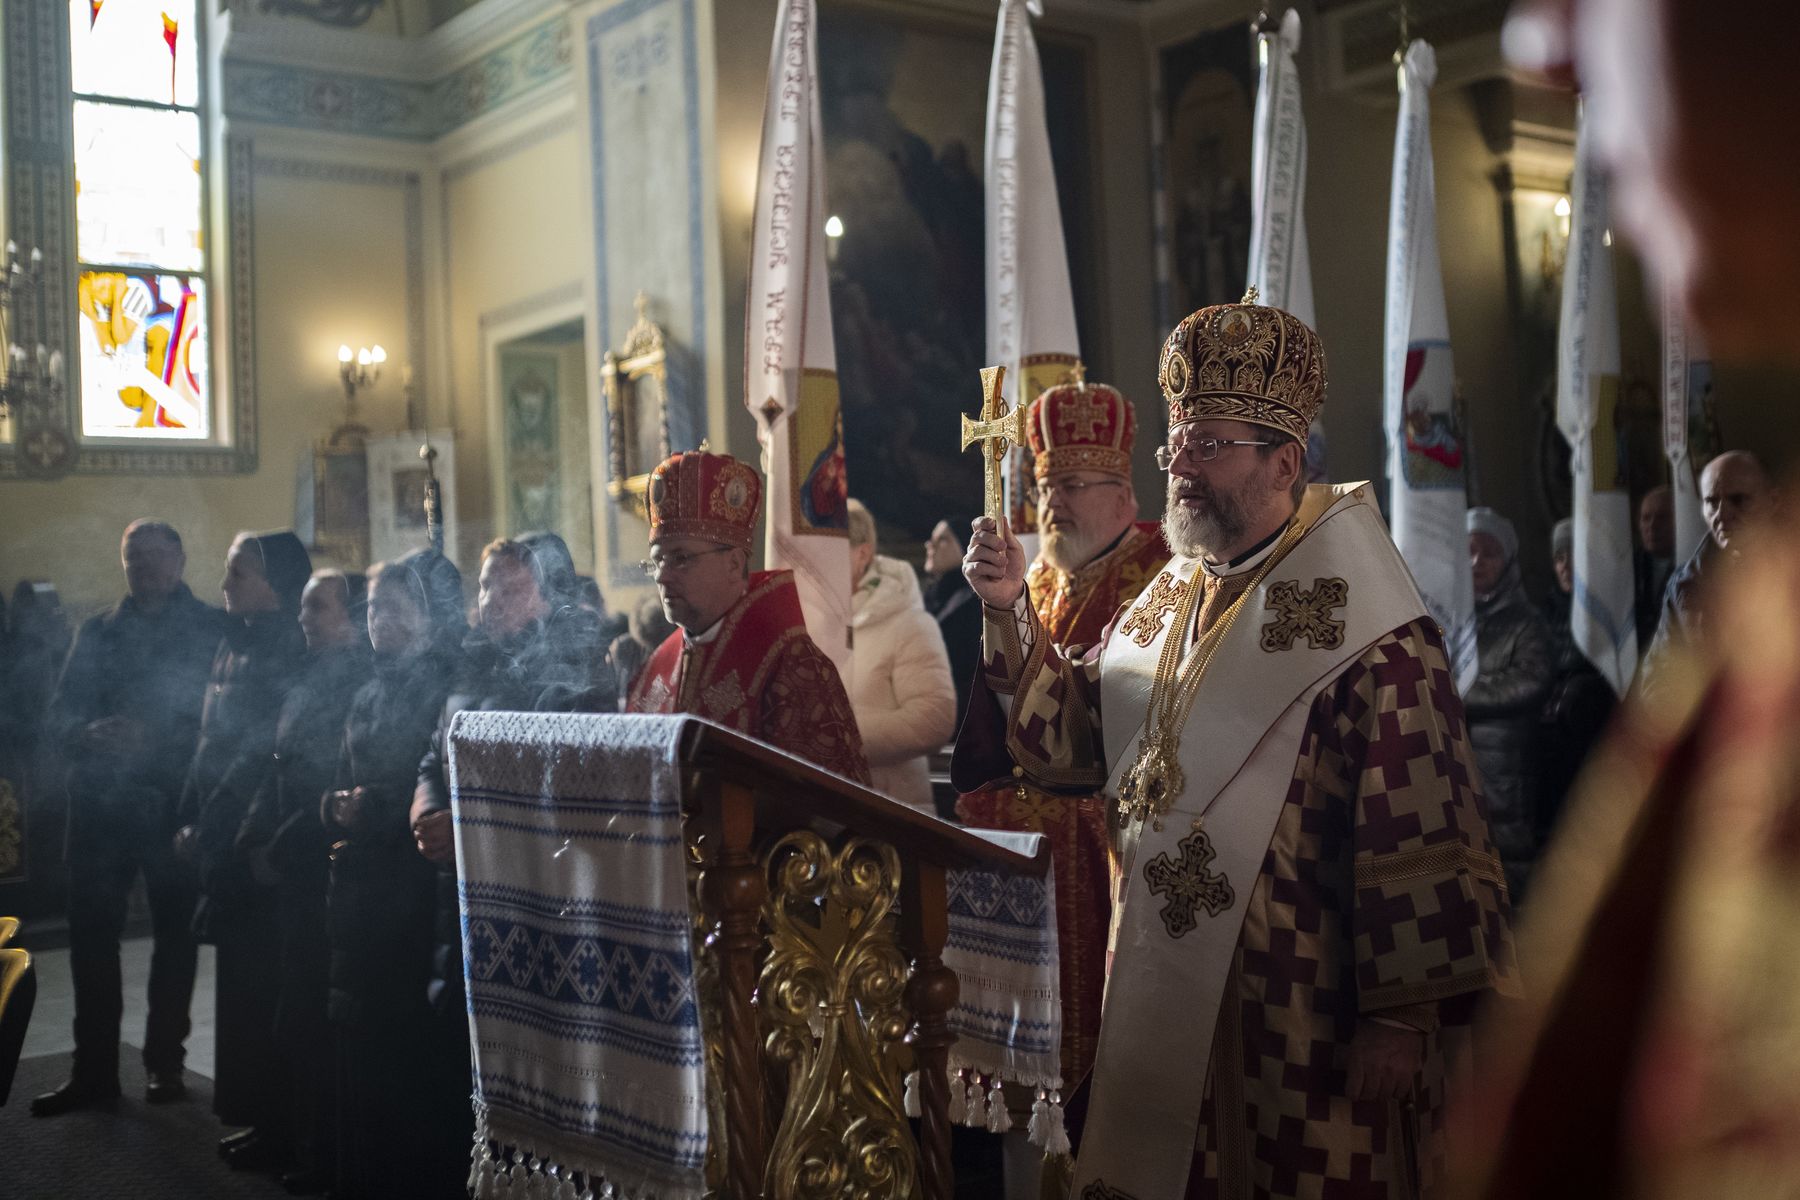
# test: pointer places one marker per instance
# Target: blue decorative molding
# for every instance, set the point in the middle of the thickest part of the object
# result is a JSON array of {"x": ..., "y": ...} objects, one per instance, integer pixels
[
  {"x": 535, "y": 58},
  {"x": 339, "y": 102}
]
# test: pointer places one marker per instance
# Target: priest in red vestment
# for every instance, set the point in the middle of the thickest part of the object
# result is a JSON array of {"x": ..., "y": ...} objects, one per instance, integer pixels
[
  {"x": 740, "y": 654},
  {"x": 1094, "y": 557}
]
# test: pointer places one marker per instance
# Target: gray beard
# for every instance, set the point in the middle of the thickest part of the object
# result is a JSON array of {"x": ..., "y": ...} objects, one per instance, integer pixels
[
  {"x": 1068, "y": 552},
  {"x": 1220, "y": 522}
]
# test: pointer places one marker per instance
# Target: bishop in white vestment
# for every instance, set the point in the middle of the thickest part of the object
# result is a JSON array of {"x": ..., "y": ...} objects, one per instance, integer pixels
[{"x": 1307, "y": 904}]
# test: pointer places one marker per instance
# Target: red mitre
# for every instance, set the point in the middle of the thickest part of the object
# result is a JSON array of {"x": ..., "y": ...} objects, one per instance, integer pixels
[
  {"x": 699, "y": 494},
  {"x": 1081, "y": 427}
]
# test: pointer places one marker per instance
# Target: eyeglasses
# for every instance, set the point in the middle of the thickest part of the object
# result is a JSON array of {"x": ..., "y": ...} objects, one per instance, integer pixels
[
  {"x": 1201, "y": 449},
  {"x": 1071, "y": 489},
  {"x": 677, "y": 563}
]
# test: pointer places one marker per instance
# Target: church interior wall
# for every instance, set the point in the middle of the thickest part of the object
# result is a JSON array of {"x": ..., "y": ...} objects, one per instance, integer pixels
[
  {"x": 515, "y": 239},
  {"x": 502, "y": 211}
]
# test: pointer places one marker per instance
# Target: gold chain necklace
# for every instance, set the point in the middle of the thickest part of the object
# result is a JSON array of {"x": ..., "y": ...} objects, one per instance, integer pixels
[{"x": 1155, "y": 780}]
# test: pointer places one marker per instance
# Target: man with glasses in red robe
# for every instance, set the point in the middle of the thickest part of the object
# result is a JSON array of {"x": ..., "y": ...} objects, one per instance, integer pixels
[{"x": 740, "y": 654}]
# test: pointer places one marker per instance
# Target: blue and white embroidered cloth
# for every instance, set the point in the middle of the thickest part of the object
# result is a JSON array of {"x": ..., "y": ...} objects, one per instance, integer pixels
[
  {"x": 1008, "y": 1016},
  {"x": 576, "y": 918}
]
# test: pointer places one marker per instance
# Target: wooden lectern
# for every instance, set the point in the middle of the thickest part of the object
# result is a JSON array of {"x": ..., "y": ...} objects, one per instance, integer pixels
[{"x": 822, "y": 916}]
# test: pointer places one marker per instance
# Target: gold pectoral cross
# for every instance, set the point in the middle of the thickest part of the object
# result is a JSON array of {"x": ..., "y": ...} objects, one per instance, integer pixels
[{"x": 996, "y": 431}]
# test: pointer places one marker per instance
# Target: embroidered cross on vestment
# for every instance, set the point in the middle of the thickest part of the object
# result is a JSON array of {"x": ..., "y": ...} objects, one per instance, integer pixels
[
  {"x": 1146, "y": 621},
  {"x": 1305, "y": 614},
  {"x": 1188, "y": 885}
]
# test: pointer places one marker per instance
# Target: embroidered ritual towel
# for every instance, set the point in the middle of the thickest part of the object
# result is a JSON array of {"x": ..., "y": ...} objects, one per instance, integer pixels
[
  {"x": 583, "y": 1012},
  {"x": 1008, "y": 1016}
]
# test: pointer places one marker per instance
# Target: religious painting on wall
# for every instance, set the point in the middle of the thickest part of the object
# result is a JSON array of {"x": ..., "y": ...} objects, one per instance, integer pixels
[
  {"x": 398, "y": 478},
  {"x": 1208, "y": 103},
  {"x": 903, "y": 102},
  {"x": 528, "y": 391}
]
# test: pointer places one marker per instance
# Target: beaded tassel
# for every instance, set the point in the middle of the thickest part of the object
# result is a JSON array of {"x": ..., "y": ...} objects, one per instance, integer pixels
[
  {"x": 483, "y": 1181},
  {"x": 999, "y": 1120},
  {"x": 975, "y": 1104},
  {"x": 958, "y": 1100},
  {"x": 1037, "y": 1130},
  {"x": 1058, "y": 1144}
]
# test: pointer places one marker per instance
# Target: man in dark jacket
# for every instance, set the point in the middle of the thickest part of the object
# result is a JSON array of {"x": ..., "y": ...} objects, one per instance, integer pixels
[
  {"x": 125, "y": 719},
  {"x": 1735, "y": 495}
]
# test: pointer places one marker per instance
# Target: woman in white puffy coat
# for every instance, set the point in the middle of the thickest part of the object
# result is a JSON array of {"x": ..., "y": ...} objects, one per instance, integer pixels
[{"x": 899, "y": 683}]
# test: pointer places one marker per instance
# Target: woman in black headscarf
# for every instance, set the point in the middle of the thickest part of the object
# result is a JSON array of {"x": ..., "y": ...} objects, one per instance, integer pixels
[
  {"x": 287, "y": 848},
  {"x": 257, "y": 663},
  {"x": 382, "y": 896},
  {"x": 575, "y": 635}
]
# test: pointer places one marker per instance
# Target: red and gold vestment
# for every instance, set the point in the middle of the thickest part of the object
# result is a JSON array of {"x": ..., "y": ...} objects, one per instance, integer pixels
[{"x": 760, "y": 674}]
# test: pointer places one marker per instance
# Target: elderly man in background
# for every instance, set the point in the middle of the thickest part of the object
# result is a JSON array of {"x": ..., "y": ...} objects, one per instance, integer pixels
[
  {"x": 899, "y": 680},
  {"x": 1735, "y": 496},
  {"x": 125, "y": 719}
]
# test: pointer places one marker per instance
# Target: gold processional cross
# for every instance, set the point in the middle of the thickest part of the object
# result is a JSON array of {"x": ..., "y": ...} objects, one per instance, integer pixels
[{"x": 996, "y": 431}]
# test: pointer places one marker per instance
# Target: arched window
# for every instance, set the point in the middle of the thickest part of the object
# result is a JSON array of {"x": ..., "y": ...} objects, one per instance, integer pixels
[{"x": 140, "y": 221}]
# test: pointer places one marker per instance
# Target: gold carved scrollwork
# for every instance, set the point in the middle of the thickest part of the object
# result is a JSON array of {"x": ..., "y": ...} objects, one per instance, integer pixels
[
  {"x": 710, "y": 989},
  {"x": 831, "y": 995}
]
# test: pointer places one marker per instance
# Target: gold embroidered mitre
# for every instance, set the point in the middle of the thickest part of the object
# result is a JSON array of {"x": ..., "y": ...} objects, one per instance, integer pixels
[
  {"x": 1244, "y": 362},
  {"x": 700, "y": 494}
]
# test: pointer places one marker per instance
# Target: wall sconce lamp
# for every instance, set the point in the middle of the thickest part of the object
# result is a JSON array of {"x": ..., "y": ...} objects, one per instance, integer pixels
[
  {"x": 356, "y": 370},
  {"x": 360, "y": 370}
]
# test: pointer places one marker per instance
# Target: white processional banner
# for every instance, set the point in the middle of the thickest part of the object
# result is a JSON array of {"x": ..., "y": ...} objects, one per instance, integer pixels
[
  {"x": 790, "y": 367},
  {"x": 1587, "y": 400},
  {"x": 1280, "y": 261},
  {"x": 1030, "y": 301},
  {"x": 1428, "y": 498},
  {"x": 1687, "y": 378}
]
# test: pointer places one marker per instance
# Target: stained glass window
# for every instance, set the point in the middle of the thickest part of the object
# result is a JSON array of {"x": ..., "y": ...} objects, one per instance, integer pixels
[{"x": 140, "y": 219}]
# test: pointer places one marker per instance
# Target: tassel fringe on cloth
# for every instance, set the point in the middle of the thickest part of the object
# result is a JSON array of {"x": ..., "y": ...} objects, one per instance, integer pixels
[{"x": 1008, "y": 1016}]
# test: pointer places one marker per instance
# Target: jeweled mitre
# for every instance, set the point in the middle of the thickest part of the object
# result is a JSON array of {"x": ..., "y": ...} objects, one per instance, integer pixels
[
  {"x": 1081, "y": 427},
  {"x": 1244, "y": 362}
]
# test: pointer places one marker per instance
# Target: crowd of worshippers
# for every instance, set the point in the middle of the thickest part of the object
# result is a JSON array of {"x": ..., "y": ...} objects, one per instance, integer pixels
[
  {"x": 1538, "y": 706},
  {"x": 276, "y": 771}
]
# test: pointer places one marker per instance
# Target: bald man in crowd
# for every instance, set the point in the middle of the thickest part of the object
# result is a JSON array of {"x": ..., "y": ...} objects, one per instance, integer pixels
[{"x": 1735, "y": 495}]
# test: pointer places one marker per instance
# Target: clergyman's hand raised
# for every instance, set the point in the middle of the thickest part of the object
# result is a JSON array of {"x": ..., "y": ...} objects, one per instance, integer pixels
[{"x": 994, "y": 563}]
